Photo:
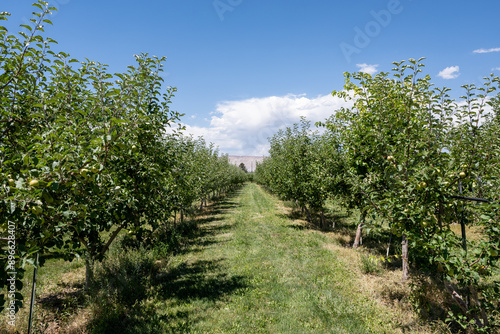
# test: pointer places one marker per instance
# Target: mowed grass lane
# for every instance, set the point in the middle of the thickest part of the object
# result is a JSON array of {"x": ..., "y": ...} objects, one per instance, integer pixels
[{"x": 252, "y": 270}]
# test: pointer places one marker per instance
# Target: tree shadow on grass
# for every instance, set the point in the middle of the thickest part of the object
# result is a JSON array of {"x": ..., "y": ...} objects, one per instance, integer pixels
[
  {"x": 137, "y": 292},
  {"x": 174, "y": 293},
  {"x": 344, "y": 225},
  {"x": 199, "y": 280},
  {"x": 143, "y": 295},
  {"x": 223, "y": 207},
  {"x": 205, "y": 235},
  {"x": 337, "y": 222},
  {"x": 68, "y": 299}
]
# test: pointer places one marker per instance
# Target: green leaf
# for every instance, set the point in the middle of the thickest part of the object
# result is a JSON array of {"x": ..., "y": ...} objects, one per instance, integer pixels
[{"x": 26, "y": 26}]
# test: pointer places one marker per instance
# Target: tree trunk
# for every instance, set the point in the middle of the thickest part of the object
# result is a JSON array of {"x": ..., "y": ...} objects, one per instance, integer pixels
[
  {"x": 404, "y": 255},
  {"x": 388, "y": 247},
  {"x": 485, "y": 321},
  {"x": 182, "y": 216},
  {"x": 89, "y": 272},
  {"x": 309, "y": 218},
  {"x": 358, "y": 240},
  {"x": 323, "y": 220},
  {"x": 463, "y": 304}
]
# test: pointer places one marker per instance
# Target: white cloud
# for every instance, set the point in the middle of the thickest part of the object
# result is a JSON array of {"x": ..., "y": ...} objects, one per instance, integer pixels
[
  {"x": 366, "y": 68},
  {"x": 496, "y": 69},
  {"x": 243, "y": 127},
  {"x": 449, "y": 72},
  {"x": 486, "y": 50}
]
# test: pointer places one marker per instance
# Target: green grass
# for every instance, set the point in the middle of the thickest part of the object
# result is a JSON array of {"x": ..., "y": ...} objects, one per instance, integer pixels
[
  {"x": 293, "y": 284},
  {"x": 248, "y": 268}
]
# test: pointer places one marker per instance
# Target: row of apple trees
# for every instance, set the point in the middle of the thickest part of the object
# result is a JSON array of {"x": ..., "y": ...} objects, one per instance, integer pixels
[
  {"x": 85, "y": 154},
  {"x": 303, "y": 166},
  {"x": 414, "y": 162}
]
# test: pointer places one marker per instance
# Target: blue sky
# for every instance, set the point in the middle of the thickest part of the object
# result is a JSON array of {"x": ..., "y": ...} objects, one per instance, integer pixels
[{"x": 245, "y": 68}]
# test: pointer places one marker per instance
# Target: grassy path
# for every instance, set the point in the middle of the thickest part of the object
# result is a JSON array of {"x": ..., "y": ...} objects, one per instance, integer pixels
[{"x": 251, "y": 270}]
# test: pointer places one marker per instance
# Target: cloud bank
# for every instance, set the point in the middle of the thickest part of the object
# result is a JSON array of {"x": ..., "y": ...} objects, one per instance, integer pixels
[
  {"x": 243, "y": 127},
  {"x": 486, "y": 50}
]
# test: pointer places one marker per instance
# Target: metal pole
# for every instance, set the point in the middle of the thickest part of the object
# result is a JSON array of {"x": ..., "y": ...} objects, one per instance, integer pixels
[
  {"x": 464, "y": 238},
  {"x": 388, "y": 247},
  {"x": 33, "y": 294},
  {"x": 462, "y": 220},
  {"x": 471, "y": 199}
]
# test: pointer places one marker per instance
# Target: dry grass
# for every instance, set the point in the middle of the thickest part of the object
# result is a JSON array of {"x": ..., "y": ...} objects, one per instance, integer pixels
[
  {"x": 419, "y": 305},
  {"x": 473, "y": 233},
  {"x": 60, "y": 304},
  {"x": 385, "y": 289}
]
